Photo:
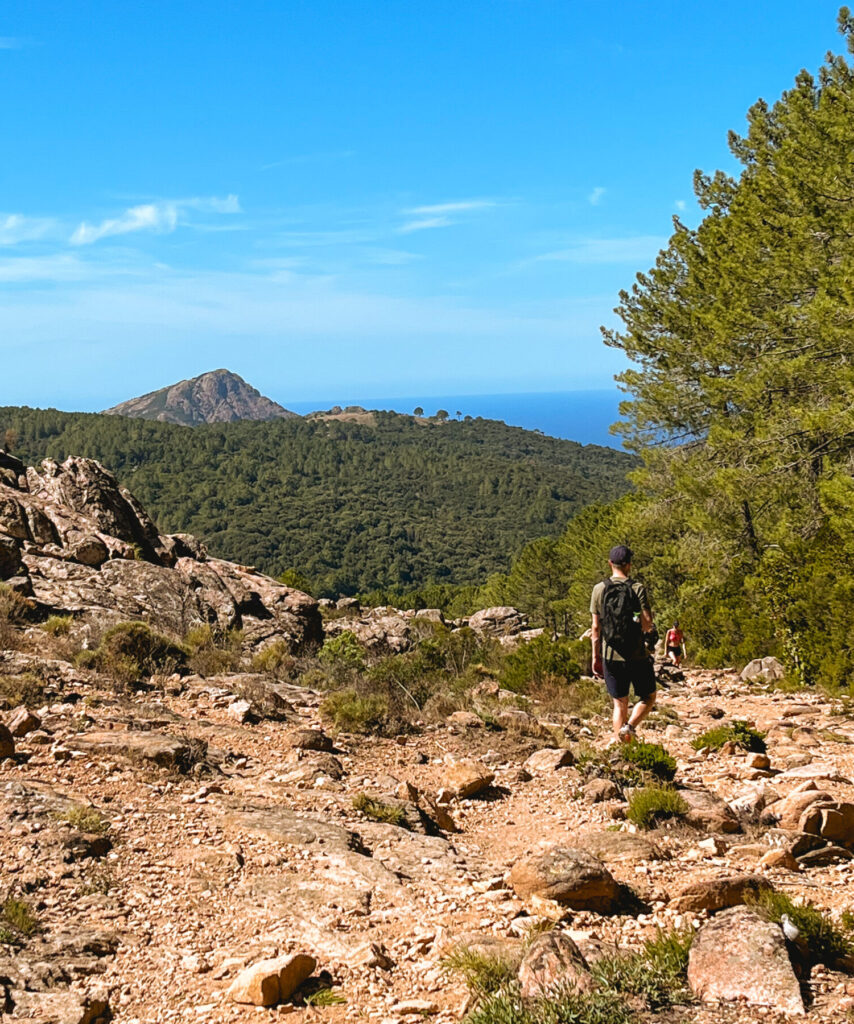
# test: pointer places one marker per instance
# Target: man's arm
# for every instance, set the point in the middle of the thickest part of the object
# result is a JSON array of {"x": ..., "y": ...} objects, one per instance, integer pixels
[{"x": 596, "y": 643}]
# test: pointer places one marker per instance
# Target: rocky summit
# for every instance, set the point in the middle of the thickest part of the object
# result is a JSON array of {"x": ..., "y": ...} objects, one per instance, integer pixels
[
  {"x": 219, "y": 396},
  {"x": 214, "y": 840}
]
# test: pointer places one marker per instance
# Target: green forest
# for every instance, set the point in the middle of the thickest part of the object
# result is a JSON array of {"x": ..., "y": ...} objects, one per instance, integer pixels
[
  {"x": 342, "y": 507},
  {"x": 740, "y": 402}
]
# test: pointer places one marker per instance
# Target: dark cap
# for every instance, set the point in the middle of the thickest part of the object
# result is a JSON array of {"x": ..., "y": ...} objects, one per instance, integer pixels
[{"x": 620, "y": 555}]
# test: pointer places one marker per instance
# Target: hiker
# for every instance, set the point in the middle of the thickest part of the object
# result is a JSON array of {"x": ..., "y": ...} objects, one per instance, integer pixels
[
  {"x": 621, "y": 616},
  {"x": 674, "y": 645}
]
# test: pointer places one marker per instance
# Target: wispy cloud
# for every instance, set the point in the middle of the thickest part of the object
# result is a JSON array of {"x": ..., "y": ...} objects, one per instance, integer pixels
[
  {"x": 161, "y": 217},
  {"x": 457, "y": 207},
  {"x": 597, "y": 195},
  {"x": 436, "y": 215},
  {"x": 680, "y": 205},
  {"x": 606, "y": 250},
  {"x": 424, "y": 224},
  {"x": 15, "y": 228},
  {"x": 11, "y": 43}
]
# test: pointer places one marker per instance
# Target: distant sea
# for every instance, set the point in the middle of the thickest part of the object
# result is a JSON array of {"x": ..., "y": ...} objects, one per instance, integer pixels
[{"x": 583, "y": 416}]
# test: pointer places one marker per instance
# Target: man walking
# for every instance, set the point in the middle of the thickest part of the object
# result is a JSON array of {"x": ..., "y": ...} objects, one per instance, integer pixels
[{"x": 621, "y": 615}]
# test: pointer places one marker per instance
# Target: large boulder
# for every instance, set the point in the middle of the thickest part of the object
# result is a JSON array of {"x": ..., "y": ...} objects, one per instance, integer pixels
[
  {"x": 569, "y": 876},
  {"x": 271, "y": 981},
  {"x": 498, "y": 621},
  {"x": 766, "y": 669},
  {"x": 553, "y": 963},
  {"x": 10, "y": 558},
  {"x": 715, "y": 894},
  {"x": 708, "y": 812},
  {"x": 739, "y": 956}
]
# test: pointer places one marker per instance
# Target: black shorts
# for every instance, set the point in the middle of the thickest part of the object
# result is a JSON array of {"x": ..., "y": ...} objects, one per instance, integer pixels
[
  {"x": 620, "y": 675},
  {"x": 675, "y": 650}
]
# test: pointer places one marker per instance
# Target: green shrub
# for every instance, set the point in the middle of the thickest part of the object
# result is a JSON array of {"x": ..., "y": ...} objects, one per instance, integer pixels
[
  {"x": 214, "y": 651},
  {"x": 827, "y": 942},
  {"x": 567, "y": 1007},
  {"x": 378, "y": 810},
  {"x": 650, "y": 758},
  {"x": 58, "y": 625},
  {"x": 276, "y": 661},
  {"x": 18, "y": 916},
  {"x": 539, "y": 660},
  {"x": 484, "y": 973},
  {"x": 26, "y": 688},
  {"x": 325, "y": 997},
  {"x": 739, "y": 733},
  {"x": 349, "y": 711},
  {"x": 652, "y": 804},
  {"x": 131, "y": 651},
  {"x": 343, "y": 655},
  {"x": 629, "y": 764},
  {"x": 656, "y": 974},
  {"x": 85, "y": 819}
]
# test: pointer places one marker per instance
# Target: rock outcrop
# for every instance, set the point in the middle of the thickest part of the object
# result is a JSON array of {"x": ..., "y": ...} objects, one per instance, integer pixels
[{"x": 74, "y": 542}]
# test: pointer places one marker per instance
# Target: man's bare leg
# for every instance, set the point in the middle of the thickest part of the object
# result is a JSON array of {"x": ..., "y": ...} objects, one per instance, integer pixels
[
  {"x": 621, "y": 715},
  {"x": 641, "y": 710}
]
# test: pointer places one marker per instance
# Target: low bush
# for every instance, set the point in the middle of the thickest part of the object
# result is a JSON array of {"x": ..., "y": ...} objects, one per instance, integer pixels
[
  {"x": 539, "y": 661},
  {"x": 58, "y": 625},
  {"x": 649, "y": 758},
  {"x": 826, "y": 941},
  {"x": 378, "y": 810},
  {"x": 651, "y": 804},
  {"x": 85, "y": 819},
  {"x": 349, "y": 711},
  {"x": 629, "y": 764},
  {"x": 656, "y": 973},
  {"x": 484, "y": 973},
  {"x": 213, "y": 651},
  {"x": 130, "y": 651},
  {"x": 584, "y": 697},
  {"x": 14, "y": 611},
  {"x": 26, "y": 688},
  {"x": 739, "y": 733},
  {"x": 568, "y": 1007},
  {"x": 17, "y": 916},
  {"x": 343, "y": 656},
  {"x": 276, "y": 661}
]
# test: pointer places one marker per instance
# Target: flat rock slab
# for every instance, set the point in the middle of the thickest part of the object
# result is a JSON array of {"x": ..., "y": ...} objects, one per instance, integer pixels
[
  {"x": 619, "y": 847},
  {"x": 152, "y": 747},
  {"x": 285, "y": 826},
  {"x": 708, "y": 812},
  {"x": 739, "y": 956},
  {"x": 569, "y": 876},
  {"x": 814, "y": 770},
  {"x": 549, "y": 760},
  {"x": 714, "y": 894}
]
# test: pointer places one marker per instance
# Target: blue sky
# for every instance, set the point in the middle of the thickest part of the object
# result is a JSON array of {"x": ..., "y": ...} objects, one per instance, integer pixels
[{"x": 344, "y": 198}]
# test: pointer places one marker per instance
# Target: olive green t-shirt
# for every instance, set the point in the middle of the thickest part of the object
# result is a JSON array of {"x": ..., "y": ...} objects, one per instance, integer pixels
[{"x": 608, "y": 653}]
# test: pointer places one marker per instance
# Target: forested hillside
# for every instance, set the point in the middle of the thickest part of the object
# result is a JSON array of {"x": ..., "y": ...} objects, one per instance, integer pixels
[
  {"x": 352, "y": 506},
  {"x": 741, "y": 405}
]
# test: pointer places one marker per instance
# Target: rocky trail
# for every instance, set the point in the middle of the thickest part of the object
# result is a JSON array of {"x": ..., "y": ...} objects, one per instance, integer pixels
[
  {"x": 181, "y": 846},
  {"x": 257, "y": 852}
]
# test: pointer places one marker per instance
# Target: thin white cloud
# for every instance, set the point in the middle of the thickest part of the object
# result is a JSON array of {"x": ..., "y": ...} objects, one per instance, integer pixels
[
  {"x": 680, "y": 205},
  {"x": 457, "y": 207},
  {"x": 161, "y": 217},
  {"x": 597, "y": 195},
  {"x": 16, "y": 228},
  {"x": 424, "y": 224},
  {"x": 11, "y": 43},
  {"x": 606, "y": 250}
]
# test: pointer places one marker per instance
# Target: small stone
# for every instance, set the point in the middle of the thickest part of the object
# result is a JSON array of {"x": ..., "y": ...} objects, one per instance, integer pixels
[
  {"x": 779, "y": 858},
  {"x": 756, "y": 760},
  {"x": 22, "y": 721},
  {"x": 549, "y": 759},
  {"x": 7, "y": 743},
  {"x": 598, "y": 790},
  {"x": 271, "y": 981},
  {"x": 464, "y": 779}
]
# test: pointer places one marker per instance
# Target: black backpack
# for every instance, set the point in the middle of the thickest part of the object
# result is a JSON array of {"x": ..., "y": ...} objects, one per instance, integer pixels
[{"x": 620, "y": 630}]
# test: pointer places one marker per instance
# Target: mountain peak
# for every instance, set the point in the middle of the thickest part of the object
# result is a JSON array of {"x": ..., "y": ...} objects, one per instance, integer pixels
[{"x": 218, "y": 396}]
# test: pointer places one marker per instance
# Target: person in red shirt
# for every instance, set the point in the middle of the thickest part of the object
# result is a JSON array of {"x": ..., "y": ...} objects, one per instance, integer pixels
[{"x": 674, "y": 645}]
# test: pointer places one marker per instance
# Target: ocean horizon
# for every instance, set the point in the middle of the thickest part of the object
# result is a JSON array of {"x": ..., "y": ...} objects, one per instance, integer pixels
[{"x": 583, "y": 416}]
